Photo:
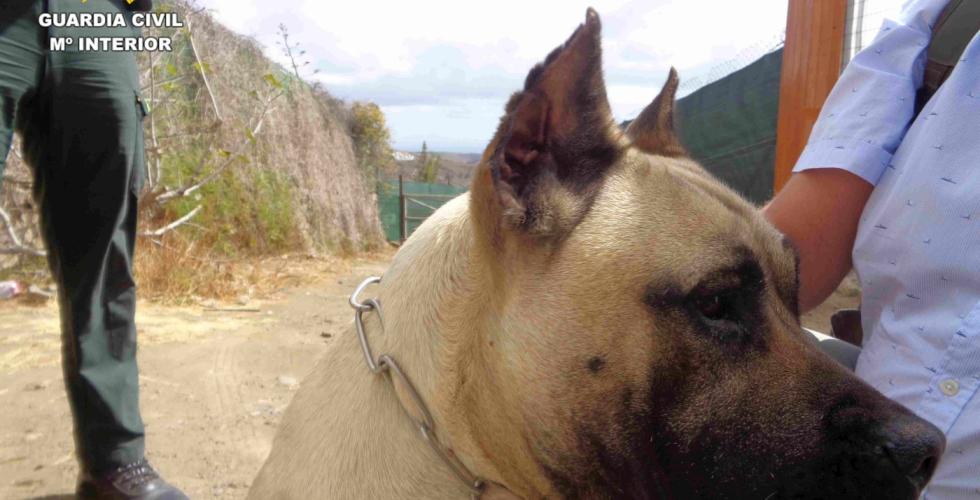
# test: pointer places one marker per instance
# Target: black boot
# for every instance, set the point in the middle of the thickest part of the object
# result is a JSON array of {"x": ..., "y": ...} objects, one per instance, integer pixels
[{"x": 136, "y": 481}]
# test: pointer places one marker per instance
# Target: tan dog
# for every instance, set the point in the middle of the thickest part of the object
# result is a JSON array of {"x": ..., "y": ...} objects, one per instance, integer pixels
[{"x": 597, "y": 318}]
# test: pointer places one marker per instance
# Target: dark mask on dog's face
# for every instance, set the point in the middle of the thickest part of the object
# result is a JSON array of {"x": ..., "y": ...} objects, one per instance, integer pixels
[{"x": 647, "y": 317}]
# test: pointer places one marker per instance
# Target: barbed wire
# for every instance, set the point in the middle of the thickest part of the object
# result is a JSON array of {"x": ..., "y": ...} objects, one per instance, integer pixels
[
  {"x": 743, "y": 58},
  {"x": 753, "y": 52}
]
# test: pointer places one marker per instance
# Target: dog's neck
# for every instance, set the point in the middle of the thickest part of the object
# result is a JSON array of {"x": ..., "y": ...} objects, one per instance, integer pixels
[
  {"x": 427, "y": 282},
  {"x": 438, "y": 305},
  {"x": 441, "y": 291},
  {"x": 363, "y": 444}
]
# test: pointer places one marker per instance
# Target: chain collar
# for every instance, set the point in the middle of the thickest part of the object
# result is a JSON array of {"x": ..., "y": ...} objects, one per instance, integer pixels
[{"x": 387, "y": 366}]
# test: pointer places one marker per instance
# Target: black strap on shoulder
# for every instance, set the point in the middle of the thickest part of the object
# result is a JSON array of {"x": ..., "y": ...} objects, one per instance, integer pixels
[{"x": 957, "y": 25}]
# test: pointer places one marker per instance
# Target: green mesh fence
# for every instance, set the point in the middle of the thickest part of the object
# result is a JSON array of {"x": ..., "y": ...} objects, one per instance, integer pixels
[
  {"x": 729, "y": 126},
  {"x": 388, "y": 204}
]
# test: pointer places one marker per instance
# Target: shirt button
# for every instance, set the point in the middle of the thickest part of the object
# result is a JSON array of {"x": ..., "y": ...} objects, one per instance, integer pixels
[{"x": 949, "y": 387}]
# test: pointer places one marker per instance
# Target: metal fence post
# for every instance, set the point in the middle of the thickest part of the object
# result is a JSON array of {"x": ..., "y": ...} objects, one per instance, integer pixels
[{"x": 402, "y": 208}]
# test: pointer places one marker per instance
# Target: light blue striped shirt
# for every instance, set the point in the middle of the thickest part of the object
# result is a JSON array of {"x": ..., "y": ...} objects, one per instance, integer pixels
[{"x": 917, "y": 251}]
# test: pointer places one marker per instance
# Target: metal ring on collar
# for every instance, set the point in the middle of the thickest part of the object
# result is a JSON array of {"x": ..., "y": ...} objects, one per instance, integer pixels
[{"x": 354, "y": 302}]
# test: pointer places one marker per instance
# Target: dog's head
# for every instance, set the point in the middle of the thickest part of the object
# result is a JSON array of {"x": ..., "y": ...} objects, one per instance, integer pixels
[{"x": 639, "y": 333}]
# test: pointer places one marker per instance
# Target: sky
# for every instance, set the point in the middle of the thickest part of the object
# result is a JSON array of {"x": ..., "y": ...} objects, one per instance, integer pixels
[{"x": 442, "y": 71}]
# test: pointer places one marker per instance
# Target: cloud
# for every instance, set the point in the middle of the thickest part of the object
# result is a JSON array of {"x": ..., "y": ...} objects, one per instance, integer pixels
[{"x": 443, "y": 70}]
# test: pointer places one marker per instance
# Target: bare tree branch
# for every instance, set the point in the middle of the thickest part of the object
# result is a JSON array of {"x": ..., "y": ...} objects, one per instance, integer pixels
[
  {"x": 204, "y": 75},
  {"x": 173, "y": 225},
  {"x": 161, "y": 83},
  {"x": 190, "y": 189},
  {"x": 18, "y": 247},
  {"x": 188, "y": 132},
  {"x": 14, "y": 150},
  {"x": 10, "y": 180},
  {"x": 145, "y": 76},
  {"x": 22, "y": 251}
]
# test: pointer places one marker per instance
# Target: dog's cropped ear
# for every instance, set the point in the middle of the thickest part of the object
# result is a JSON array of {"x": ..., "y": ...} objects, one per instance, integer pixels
[
  {"x": 556, "y": 140},
  {"x": 653, "y": 131}
]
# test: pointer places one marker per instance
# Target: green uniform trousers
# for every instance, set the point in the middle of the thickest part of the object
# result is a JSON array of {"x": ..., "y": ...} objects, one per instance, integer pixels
[{"x": 80, "y": 118}]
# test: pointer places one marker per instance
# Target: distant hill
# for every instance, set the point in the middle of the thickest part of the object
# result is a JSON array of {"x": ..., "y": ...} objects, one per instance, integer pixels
[{"x": 455, "y": 169}]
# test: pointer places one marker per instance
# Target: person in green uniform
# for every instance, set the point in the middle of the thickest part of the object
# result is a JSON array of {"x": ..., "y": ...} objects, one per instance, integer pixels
[{"x": 80, "y": 117}]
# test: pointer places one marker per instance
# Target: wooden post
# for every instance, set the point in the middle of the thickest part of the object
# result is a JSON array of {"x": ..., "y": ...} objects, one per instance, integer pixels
[
  {"x": 402, "y": 208},
  {"x": 812, "y": 59}
]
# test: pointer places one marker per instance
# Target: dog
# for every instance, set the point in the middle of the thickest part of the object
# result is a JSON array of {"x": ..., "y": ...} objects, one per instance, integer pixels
[{"x": 596, "y": 318}]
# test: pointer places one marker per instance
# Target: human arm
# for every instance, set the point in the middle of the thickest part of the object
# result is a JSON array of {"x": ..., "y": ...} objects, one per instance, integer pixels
[
  {"x": 860, "y": 127},
  {"x": 818, "y": 210}
]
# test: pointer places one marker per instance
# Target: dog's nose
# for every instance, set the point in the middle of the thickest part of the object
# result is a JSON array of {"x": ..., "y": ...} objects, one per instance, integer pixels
[
  {"x": 914, "y": 447},
  {"x": 892, "y": 452}
]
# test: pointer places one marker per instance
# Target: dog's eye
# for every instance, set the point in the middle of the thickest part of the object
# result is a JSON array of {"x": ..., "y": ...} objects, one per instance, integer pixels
[{"x": 716, "y": 306}]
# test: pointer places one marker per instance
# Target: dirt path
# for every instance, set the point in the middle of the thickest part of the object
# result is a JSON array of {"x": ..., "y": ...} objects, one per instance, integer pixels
[{"x": 213, "y": 386}]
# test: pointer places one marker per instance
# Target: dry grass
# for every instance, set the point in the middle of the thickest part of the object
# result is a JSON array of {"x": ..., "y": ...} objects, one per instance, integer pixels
[{"x": 176, "y": 272}]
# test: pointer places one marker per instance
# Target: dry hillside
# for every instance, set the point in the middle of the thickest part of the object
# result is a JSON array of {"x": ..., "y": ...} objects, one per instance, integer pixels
[
  {"x": 304, "y": 136},
  {"x": 259, "y": 161}
]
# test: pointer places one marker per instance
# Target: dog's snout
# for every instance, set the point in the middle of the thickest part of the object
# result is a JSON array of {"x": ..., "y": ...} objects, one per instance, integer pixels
[
  {"x": 914, "y": 447},
  {"x": 887, "y": 444}
]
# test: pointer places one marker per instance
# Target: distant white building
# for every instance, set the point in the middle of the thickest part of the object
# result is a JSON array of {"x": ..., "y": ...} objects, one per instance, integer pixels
[{"x": 403, "y": 156}]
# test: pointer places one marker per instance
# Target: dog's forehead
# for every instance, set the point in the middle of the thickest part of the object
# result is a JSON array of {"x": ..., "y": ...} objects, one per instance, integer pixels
[
  {"x": 647, "y": 194},
  {"x": 669, "y": 214}
]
